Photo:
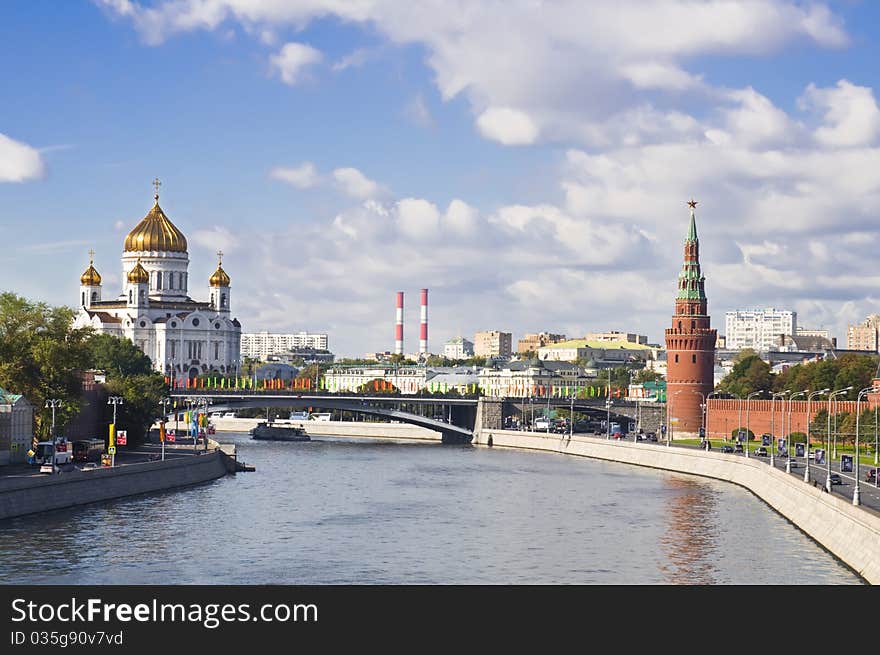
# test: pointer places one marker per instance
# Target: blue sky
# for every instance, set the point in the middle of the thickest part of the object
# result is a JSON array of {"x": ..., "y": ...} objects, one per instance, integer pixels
[{"x": 529, "y": 164}]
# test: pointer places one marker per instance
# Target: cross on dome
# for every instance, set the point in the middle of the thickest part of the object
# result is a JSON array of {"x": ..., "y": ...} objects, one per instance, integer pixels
[{"x": 156, "y": 185}]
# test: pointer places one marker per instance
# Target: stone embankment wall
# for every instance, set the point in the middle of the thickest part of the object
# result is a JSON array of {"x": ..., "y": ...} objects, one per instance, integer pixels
[
  {"x": 29, "y": 495},
  {"x": 850, "y": 533}
]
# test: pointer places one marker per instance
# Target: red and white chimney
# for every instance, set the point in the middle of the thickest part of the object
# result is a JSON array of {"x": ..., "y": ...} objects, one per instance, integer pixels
[
  {"x": 398, "y": 328},
  {"x": 423, "y": 328}
]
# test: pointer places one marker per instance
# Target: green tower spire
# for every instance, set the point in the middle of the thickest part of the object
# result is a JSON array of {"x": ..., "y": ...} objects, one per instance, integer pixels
[{"x": 690, "y": 280}]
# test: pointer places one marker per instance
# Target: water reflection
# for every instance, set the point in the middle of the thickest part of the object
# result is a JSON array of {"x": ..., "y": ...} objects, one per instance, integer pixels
[{"x": 692, "y": 533}]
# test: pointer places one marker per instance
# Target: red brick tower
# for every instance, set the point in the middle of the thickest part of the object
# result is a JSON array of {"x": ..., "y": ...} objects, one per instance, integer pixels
[{"x": 690, "y": 343}]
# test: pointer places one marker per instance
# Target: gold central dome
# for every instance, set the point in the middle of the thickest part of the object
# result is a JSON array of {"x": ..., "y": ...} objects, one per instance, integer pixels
[
  {"x": 138, "y": 275},
  {"x": 155, "y": 233},
  {"x": 220, "y": 278},
  {"x": 91, "y": 277}
]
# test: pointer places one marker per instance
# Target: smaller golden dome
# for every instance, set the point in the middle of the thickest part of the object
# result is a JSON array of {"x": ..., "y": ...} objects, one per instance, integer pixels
[
  {"x": 138, "y": 275},
  {"x": 220, "y": 277},
  {"x": 91, "y": 277}
]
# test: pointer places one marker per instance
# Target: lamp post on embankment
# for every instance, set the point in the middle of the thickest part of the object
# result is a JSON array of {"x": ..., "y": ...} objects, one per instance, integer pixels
[
  {"x": 809, "y": 422},
  {"x": 748, "y": 413},
  {"x": 773, "y": 397},
  {"x": 713, "y": 393},
  {"x": 828, "y": 447},
  {"x": 856, "y": 491},
  {"x": 788, "y": 435}
]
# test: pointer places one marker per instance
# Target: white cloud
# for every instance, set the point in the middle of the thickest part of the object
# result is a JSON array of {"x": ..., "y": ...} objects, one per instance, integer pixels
[
  {"x": 292, "y": 60},
  {"x": 303, "y": 176},
  {"x": 850, "y": 113},
  {"x": 355, "y": 184},
  {"x": 508, "y": 126},
  {"x": 19, "y": 162},
  {"x": 417, "y": 218},
  {"x": 218, "y": 237},
  {"x": 354, "y": 59},
  {"x": 461, "y": 218}
]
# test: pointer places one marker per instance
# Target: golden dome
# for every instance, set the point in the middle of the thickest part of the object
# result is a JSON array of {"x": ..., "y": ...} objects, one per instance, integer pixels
[
  {"x": 155, "y": 233},
  {"x": 91, "y": 277},
  {"x": 220, "y": 278},
  {"x": 138, "y": 275}
]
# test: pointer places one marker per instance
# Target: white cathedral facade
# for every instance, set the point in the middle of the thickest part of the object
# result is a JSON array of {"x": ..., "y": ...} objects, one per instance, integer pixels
[{"x": 183, "y": 337}]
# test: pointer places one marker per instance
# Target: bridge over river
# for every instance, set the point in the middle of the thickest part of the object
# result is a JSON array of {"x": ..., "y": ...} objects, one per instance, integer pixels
[{"x": 455, "y": 417}]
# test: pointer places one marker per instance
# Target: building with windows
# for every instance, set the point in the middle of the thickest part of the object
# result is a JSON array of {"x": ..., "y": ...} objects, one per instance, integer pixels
[
  {"x": 458, "y": 348},
  {"x": 531, "y": 342},
  {"x": 259, "y": 345},
  {"x": 864, "y": 336},
  {"x": 16, "y": 427},
  {"x": 758, "y": 329},
  {"x": 609, "y": 353},
  {"x": 493, "y": 343},
  {"x": 617, "y": 336},
  {"x": 183, "y": 337}
]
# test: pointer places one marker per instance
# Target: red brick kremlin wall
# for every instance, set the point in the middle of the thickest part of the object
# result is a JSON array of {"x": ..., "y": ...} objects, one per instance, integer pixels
[{"x": 724, "y": 414}]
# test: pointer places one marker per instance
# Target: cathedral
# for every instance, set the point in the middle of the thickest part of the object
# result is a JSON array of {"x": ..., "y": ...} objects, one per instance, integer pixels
[{"x": 183, "y": 337}]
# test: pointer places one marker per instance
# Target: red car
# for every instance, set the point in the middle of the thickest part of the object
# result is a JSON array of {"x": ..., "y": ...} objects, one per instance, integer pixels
[{"x": 871, "y": 475}]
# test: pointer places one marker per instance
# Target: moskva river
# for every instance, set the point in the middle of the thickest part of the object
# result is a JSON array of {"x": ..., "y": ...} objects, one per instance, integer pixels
[{"x": 373, "y": 512}]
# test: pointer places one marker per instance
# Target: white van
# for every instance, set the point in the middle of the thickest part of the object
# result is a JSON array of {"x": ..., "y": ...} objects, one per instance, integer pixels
[{"x": 230, "y": 415}]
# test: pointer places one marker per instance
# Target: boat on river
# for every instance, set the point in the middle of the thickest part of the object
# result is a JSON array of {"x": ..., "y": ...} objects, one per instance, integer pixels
[{"x": 279, "y": 430}]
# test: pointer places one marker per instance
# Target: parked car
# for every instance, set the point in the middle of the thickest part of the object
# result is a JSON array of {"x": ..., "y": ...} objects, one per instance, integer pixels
[
  {"x": 761, "y": 451},
  {"x": 651, "y": 436},
  {"x": 871, "y": 475},
  {"x": 727, "y": 448},
  {"x": 835, "y": 478},
  {"x": 90, "y": 466},
  {"x": 738, "y": 448}
]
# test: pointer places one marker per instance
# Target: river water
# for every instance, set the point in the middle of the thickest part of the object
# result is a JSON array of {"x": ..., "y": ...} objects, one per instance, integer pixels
[{"x": 376, "y": 512}]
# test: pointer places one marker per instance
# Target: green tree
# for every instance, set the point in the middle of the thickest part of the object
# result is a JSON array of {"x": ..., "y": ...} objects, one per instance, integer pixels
[
  {"x": 749, "y": 374},
  {"x": 117, "y": 357},
  {"x": 42, "y": 357},
  {"x": 647, "y": 375},
  {"x": 140, "y": 406}
]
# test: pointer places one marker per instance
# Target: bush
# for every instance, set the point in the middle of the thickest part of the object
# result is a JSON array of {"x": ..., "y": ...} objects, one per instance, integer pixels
[
  {"x": 798, "y": 437},
  {"x": 735, "y": 431}
]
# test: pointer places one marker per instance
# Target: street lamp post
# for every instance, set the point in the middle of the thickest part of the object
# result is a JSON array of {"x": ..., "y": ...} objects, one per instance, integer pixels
[
  {"x": 773, "y": 397},
  {"x": 713, "y": 393},
  {"x": 748, "y": 413},
  {"x": 828, "y": 447},
  {"x": 857, "y": 500},
  {"x": 53, "y": 403},
  {"x": 807, "y": 445},
  {"x": 571, "y": 420},
  {"x": 608, "y": 408},
  {"x": 164, "y": 402},
  {"x": 702, "y": 412},
  {"x": 788, "y": 435},
  {"x": 114, "y": 400}
]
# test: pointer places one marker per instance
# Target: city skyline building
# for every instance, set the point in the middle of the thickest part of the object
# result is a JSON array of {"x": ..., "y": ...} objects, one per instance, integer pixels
[
  {"x": 690, "y": 342},
  {"x": 493, "y": 343},
  {"x": 864, "y": 336},
  {"x": 758, "y": 329},
  {"x": 259, "y": 345}
]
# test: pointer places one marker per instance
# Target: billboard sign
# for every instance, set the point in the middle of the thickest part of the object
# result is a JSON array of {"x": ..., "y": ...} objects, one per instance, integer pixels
[
  {"x": 799, "y": 450},
  {"x": 820, "y": 455},
  {"x": 122, "y": 438},
  {"x": 846, "y": 463},
  {"x": 780, "y": 445},
  {"x": 765, "y": 439}
]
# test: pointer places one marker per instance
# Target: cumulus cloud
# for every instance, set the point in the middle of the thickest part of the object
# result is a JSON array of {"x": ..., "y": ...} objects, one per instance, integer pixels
[
  {"x": 850, "y": 114},
  {"x": 303, "y": 176},
  {"x": 292, "y": 61},
  {"x": 19, "y": 162},
  {"x": 355, "y": 184},
  {"x": 508, "y": 126},
  {"x": 788, "y": 201}
]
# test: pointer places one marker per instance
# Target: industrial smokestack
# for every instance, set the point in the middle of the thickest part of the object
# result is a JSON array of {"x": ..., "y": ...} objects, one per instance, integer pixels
[
  {"x": 423, "y": 331},
  {"x": 398, "y": 328}
]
